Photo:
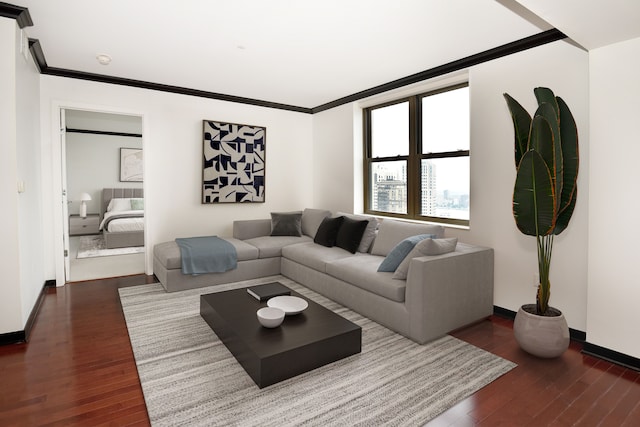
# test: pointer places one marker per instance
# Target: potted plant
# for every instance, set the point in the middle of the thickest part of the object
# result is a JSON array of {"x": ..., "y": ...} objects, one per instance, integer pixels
[{"x": 544, "y": 197}]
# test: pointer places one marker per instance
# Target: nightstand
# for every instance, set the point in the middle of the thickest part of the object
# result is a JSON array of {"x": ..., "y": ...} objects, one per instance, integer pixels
[{"x": 88, "y": 225}]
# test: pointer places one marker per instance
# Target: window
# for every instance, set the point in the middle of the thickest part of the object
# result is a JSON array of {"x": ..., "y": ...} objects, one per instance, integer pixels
[{"x": 417, "y": 157}]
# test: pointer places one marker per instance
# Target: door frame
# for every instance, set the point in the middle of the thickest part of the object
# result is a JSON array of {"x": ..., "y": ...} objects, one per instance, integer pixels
[{"x": 56, "y": 178}]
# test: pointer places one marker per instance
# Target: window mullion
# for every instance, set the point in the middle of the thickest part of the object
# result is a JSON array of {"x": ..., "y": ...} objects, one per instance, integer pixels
[{"x": 413, "y": 182}]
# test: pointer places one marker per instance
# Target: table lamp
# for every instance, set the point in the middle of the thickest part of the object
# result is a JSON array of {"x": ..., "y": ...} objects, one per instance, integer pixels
[{"x": 84, "y": 198}]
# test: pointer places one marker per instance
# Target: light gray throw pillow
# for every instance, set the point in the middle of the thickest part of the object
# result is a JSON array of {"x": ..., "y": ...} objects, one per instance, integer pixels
[{"x": 422, "y": 248}]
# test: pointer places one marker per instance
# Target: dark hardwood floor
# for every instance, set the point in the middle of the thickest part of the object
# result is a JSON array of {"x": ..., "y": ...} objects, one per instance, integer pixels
[{"x": 78, "y": 369}]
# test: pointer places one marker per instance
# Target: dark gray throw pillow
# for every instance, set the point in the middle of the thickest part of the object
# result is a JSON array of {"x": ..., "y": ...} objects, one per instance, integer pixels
[
  {"x": 286, "y": 224},
  {"x": 350, "y": 234},
  {"x": 328, "y": 231}
]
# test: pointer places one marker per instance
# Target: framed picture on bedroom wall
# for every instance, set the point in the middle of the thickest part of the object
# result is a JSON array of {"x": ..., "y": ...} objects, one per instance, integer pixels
[
  {"x": 233, "y": 163},
  {"x": 130, "y": 165}
]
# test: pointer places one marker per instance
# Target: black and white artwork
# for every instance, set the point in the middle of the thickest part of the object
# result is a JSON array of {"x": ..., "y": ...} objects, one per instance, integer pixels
[{"x": 234, "y": 163}]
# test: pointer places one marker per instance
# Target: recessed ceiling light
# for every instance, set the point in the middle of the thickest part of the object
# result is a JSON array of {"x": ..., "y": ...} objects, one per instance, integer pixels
[{"x": 104, "y": 59}]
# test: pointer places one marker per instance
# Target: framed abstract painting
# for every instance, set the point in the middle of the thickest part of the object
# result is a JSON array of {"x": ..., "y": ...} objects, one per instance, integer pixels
[
  {"x": 233, "y": 163},
  {"x": 130, "y": 165}
]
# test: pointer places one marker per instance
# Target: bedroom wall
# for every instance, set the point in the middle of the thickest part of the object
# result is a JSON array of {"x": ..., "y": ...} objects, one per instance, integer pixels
[
  {"x": 492, "y": 171},
  {"x": 172, "y": 141},
  {"x": 93, "y": 163}
]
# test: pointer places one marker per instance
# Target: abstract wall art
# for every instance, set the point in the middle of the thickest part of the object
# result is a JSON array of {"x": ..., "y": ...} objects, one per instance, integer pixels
[
  {"x": 130, "y": 165},
  {"x": 233, "y": 163}
]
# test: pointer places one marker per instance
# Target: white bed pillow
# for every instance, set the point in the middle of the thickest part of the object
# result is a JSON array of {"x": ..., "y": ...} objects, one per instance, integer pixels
[{"x": 117, "y": 205}]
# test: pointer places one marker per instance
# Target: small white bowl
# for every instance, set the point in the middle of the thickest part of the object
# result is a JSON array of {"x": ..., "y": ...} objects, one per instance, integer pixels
[{"x": 270, "y": 317}]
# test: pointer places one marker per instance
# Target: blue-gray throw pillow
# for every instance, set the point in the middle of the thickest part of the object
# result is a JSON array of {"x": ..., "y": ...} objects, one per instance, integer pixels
[
  {"x": 350, "y": 234},
  {"x": 286, "y": 223},
  {"x": 400, "y": 251},
  {"x": 328, "y": 231}
]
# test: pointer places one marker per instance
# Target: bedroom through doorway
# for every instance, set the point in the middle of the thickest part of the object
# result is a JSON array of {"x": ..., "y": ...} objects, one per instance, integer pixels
[{"x": 102, "y": 181}]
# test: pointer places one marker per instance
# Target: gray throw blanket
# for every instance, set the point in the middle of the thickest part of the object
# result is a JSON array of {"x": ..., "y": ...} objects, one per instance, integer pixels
[{"x": 209, "y": 254}]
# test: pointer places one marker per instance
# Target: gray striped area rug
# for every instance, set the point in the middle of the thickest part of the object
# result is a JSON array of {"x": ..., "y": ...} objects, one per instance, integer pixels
[{"x": 189, "y": 377}]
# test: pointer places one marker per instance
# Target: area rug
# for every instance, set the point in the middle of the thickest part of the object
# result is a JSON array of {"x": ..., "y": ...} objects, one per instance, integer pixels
[
  {"x": 189, "y": 377},
  {"x": 94, "y": 246}
]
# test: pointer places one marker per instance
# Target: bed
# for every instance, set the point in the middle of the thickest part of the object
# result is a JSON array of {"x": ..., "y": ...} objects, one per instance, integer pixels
[{"x": 122, "y": 217}]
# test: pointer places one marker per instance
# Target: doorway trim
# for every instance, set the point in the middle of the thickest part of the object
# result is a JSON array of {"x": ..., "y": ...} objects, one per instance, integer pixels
[{"x": 56, "y": 178}]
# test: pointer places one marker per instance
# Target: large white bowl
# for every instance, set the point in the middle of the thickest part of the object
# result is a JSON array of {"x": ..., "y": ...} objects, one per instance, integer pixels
[
  {"x": 270, "y": 317},
  {"x": 289, "y": 304}
]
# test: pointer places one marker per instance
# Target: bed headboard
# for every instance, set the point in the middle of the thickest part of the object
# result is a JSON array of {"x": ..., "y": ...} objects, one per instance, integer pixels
[{"x": 118, "y": 193}]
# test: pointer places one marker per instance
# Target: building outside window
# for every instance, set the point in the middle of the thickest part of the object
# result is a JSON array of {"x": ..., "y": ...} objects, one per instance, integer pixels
[{"x": 417, "y": 157}]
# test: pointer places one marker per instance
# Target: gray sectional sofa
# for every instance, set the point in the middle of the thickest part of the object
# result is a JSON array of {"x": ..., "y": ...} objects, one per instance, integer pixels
[{"x": 441, "y": 293}]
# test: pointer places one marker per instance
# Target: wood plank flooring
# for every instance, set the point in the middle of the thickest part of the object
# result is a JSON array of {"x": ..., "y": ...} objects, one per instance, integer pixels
[{"x": 78, "y": 369}]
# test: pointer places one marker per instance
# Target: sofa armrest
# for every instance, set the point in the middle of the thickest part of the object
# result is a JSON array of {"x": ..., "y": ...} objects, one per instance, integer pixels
[
  {"x": 251, "y": 228},
  {"x": 447, "y": 292}
]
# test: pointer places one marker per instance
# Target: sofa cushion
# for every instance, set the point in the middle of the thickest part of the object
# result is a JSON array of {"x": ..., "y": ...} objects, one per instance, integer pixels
[
  {"x": 361, "y": 271},
  {"x": 315, "y": 256},
  {"x": 168, "y": 253},
  {"x": 391, "y": 232},
  {"x": 271, "y": 246},
  {"x": 350, "y": 234},
  {"x": 369, "y": 233},
  {"x": 311, "y": 220},
  {"x": 400, "y": 251},
  {"x": 425, "y": 248},
  {"x": 286, "y": 224},
  {"x": 328, "y": 231}
]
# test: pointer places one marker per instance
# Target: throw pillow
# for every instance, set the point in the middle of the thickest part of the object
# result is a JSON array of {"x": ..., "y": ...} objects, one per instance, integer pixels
[
  {"x": 422, "y": 248},
  {"x": 137, "y": 204},
  {"x": 328, "y": 231},
  {"x": 369, "y": 232},
  {"x": 400, "y": 251},
  {"x": 350, "y": 234},
  {"x": 286, "y": 223}
]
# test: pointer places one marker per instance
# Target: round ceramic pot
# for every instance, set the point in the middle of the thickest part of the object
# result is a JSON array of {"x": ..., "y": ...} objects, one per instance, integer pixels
[{"x": 542, "y": 336}]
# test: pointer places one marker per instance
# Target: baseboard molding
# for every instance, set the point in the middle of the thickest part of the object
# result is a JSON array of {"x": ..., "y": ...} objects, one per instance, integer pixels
[
  {"x": 23, "y": 336},
  {"x": 611, "y": 356},
  {"x": 575, "y": 334}
]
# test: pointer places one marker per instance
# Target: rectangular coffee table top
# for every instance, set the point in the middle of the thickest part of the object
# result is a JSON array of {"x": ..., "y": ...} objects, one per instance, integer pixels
[{"x": 302, "y": 342}]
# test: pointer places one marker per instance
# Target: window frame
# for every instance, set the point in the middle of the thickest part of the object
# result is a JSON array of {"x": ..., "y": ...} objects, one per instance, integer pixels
[{"x": 413, "y": 159}]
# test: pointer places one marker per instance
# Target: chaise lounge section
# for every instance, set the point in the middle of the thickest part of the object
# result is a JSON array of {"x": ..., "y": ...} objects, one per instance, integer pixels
[{"x": 440, "y": 293}]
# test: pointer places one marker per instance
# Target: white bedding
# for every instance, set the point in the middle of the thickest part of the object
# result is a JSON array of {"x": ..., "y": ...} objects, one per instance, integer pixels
[{"x": 124, "y": 224}]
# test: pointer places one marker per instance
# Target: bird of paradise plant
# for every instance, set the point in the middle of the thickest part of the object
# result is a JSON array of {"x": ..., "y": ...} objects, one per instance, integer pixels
[{"x": 545, "y": 190}]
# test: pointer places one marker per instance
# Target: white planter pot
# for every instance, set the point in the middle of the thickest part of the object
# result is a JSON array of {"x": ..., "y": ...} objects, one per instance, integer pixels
[{"x": 542, "y": 336}]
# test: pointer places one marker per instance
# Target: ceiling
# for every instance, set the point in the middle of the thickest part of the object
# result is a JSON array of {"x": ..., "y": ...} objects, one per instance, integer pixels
[{"x": 301, "y": 52}]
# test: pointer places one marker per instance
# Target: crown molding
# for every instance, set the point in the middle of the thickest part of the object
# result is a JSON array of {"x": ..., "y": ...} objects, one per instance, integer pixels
[
  {"x": 19, "y": 13},
  {"x": 460, "y": 64}
]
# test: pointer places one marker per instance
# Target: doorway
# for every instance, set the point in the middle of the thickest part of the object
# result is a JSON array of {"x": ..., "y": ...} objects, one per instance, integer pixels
[{"x": 96, "y": 150}]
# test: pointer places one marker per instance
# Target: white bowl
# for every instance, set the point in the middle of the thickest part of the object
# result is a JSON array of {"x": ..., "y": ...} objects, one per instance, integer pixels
[
  {"x": 270, "y": 317},
  {"x": 289, "y": 304}
]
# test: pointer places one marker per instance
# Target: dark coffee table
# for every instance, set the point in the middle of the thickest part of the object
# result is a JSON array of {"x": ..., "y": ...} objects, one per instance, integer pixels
[{"x": 303, "y": 342}]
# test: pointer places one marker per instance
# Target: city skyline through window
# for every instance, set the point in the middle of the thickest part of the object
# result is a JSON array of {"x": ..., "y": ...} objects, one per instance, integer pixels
[{"x": 429, "y": 163}]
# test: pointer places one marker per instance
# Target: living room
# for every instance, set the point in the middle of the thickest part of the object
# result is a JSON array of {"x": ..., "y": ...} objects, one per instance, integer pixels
[{"x": 315, "y": 160}]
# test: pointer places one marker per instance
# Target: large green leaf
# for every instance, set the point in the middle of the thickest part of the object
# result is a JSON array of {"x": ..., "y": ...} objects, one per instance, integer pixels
[
  {"x": 543, "y": 95},
  {"x": 533, "y": 196},
  {"x": 565, "y": 214},
  {"x": 521, "y": 124},
  {"x": 550, "y": 146},
  {"x": 570, "y": 154}
]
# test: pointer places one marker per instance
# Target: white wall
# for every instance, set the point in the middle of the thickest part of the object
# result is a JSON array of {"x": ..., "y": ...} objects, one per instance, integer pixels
[
  {"x": 93, "y": 163},
  {"x": 21, "y": 252},
  {"x": 172, "y": 141},
  {"x": 560, "y": 66},
  {"x": 10, "y": 296},
  {"x": 614, "y": 283}
]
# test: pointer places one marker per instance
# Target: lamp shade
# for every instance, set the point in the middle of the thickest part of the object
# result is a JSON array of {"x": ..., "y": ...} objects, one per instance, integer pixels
[{"x": 85, "y": 197}]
